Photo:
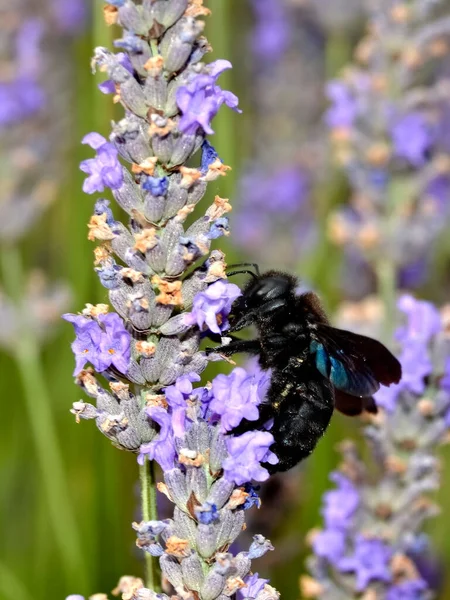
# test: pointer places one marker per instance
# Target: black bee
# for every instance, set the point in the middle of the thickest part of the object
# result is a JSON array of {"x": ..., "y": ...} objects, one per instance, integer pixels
[{"x": 315, "y": 367}]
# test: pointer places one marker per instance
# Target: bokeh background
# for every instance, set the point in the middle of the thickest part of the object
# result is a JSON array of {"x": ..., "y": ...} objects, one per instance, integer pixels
[{"x": 67, "y": 496}]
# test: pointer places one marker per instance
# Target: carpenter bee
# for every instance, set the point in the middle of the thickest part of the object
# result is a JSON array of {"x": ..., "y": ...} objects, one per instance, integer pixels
[{"x": 314, "y": 367}]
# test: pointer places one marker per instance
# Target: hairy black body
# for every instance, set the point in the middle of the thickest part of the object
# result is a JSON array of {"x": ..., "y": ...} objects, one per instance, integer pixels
[{"x": 314, "y": 367}]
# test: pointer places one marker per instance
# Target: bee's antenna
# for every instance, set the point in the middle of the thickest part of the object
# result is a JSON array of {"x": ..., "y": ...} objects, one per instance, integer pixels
[
  {"x": 254, "y": 265},
  {"x": 241, "y": 272}
]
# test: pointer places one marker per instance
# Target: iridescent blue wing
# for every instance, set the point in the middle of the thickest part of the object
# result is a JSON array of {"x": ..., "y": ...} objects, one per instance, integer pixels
[
  {"x": 355, "y": 364},
  {"x": 356, "y": 380}
]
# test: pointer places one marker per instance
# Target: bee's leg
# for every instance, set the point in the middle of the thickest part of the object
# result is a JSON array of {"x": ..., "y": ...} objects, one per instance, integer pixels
[
  {"x": 217, "y": 338},
  {"x": 248, "y": 346}
]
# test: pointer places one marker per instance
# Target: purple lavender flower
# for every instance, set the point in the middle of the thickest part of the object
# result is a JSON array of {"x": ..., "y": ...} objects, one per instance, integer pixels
[
  {"x": 412, "y": 138},
  {"x": 254, "y": 584},
  {"x": 86, "y": 346},
  {"x": 101, "y": 207},
  {"x": 115, "y": 342},
  {"x": 246, "y": 453},
  {"x": 105, "y": 169},
  {"x": 101, "y": 346},
  {"x": 212, "y": 307},
  {"x": 108, "y": 86},
  {"x": 200, "y": 100},
  {"x": 370, "y": 562},
  {"x": 157, "y": 186},
  {"x": 207, "y": 513},
  {"x": 177, "y": 396},
  {"x": 163, "y": 448},
  {"x": 209, "y": 156},
  {"x": 237, "y": 396},
  {"x": 250, "y": 449}
]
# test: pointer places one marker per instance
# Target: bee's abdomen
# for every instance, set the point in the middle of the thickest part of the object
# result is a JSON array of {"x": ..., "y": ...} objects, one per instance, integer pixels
[{"x": 302, "y": 413}]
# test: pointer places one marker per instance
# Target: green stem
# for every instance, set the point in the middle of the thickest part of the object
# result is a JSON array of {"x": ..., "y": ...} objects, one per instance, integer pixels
[
  {"x": 43, "y": 428},
  {"x": 11, "y": 587},
  {"x": 150, "y": 513},
  {"x": 386, "y": 280}
]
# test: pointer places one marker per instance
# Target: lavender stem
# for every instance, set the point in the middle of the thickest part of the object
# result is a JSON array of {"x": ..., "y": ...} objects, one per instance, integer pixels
[{"x": 150, "y": 513}]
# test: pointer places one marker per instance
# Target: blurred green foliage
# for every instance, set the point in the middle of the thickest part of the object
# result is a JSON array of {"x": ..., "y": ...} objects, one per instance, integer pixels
[{"x": 102, "y": 482}]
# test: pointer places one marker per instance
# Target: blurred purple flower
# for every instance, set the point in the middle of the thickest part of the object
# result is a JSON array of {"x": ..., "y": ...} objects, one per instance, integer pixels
[
  {"x": 115, "y": 344},
  {"x": 423, "y": 320},
  {"x": 413, "y": 275},
  {"x": 386, "y": 397},
  {"x": 28, "y": 52},
  {"x": 236, "y": 396},
  {"x": 281, "y": 192},
  {"x": 272, "y": 31},
  {"x": 343, "y": 110},
  {"x": 408, "y": 590},
  {"x": 19, "y": 100},
  {"x": 23, "y": 96},
  {"x": 246, "y": 452},
  {"x": 439, "y": 190},
  {"x": 70, "y": 16},
  {"x": 212, "y": 307},
  {"x": 200, "y": 100},
  {"x": 105, "y": 169},
  {"x": 254, "y": 585},
  {"x": 340, "y": 504},
  {"x": 412, "y": 138},
  {"x": 370, "y": 562},
  {"x": 272, "y": 201},
  {"x": 330, "y": 544}
]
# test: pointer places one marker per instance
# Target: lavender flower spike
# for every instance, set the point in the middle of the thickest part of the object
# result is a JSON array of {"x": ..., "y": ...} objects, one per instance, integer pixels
[
  {"x": 388, "y": 116},
  {"x": 373, "y": 529},
  {"x": 141, "y": 361}
]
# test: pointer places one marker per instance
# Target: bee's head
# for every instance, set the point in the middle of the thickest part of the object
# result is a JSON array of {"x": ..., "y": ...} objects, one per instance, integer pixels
[{"x": 264, "y": 296}]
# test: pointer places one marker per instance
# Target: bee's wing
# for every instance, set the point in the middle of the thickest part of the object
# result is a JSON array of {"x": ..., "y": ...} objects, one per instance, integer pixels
[
  {"x": 353, "y": 405},
  {"x": 355, "y": 364}
]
